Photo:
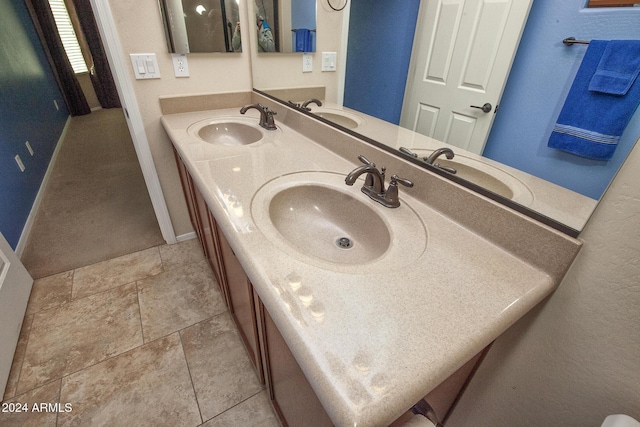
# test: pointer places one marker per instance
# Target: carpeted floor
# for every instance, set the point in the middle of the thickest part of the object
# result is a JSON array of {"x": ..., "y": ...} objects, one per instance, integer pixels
[{"x": 96, "y": 205}]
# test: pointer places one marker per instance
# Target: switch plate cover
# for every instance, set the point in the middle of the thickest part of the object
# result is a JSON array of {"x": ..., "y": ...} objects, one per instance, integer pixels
[
  {"x": 145, "y": 66},
  {"x": 329, "y": 61}
]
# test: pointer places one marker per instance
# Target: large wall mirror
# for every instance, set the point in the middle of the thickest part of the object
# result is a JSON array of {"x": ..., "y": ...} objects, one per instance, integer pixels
[
  {"x": 195, "y": 26},
  {"x": 513, "y": 152}
]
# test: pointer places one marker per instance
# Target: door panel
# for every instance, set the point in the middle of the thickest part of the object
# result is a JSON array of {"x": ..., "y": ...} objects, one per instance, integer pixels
[
  {"x": 462, "y": 54},
  {"x": 15, "y": 288}
]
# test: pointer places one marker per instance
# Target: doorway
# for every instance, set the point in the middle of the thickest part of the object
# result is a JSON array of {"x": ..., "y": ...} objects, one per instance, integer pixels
[{"x": 96, "y": 205}]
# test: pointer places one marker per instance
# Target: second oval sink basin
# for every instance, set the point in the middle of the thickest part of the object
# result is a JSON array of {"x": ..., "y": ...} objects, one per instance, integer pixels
[
  {"x": 229, "y": 133},
  {"x": 316, "y": 218}
]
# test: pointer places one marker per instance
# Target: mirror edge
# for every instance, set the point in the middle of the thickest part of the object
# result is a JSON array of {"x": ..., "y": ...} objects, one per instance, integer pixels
[{"x": 550, "y": 222}]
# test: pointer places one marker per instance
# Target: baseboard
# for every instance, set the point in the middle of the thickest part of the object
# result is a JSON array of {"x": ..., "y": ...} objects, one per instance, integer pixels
[
  {"x": 26, "y": 231},
  {"x": 187, "y": 236}
]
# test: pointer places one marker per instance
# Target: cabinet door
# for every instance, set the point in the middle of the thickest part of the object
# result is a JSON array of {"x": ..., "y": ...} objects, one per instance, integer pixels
[
  {"x": 292, "y": 397},
  {"x": 188, "y": 190},
  {"x": 241, "y": 305}
]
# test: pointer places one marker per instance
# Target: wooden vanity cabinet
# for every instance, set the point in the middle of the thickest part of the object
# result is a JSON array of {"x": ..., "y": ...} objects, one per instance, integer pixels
[
  {"x": 241, "y": 304},
  {"x": 293, "y": 398}
]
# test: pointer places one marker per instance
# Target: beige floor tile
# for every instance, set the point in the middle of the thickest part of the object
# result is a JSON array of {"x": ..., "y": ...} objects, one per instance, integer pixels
[
  {"x": 220, "y": 368},
  {"x": 255, "y": 411},
  {"x": 178, "y": 298},
  {"x": 115, "y": 272},
  {"x": 50, "y": 292},
  {"x": 148, "y": 386},
  {"x": 40, "y": 416},
  {"x": 18, "y": 358},
  {"x": 79, "y": 334},
  {"x": 181, "y": 254}
]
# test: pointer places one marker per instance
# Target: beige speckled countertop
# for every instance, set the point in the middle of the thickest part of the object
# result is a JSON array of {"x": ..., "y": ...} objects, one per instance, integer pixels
[{"x": 374, "y": 342}]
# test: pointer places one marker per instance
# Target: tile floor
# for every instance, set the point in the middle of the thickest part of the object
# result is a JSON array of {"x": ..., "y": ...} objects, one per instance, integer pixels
[{"x": 144, "y": 339}]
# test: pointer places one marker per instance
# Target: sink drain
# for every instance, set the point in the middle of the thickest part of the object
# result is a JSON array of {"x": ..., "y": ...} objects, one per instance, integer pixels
[{"x": 344, "y": 243}]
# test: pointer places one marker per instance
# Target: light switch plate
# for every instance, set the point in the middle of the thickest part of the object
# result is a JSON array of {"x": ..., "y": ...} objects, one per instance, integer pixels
[
  {"x": 307, "y": 62},
  {"x": 145, "y": 65},
  {"x": 329, "y": 61}
]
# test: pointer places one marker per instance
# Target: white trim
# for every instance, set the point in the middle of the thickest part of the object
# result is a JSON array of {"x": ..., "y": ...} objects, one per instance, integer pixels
[
  {"x": 186, "y": 236},
  {"x": 26, "y": 230},
  {"x": 111, "y": 42},
  {"x": 342, "y": 70}
]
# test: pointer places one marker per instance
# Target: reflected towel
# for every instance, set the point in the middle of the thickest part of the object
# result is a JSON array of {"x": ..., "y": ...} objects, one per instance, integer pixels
[
  {"x": 303, "y": 40},
  {"x": 618, "y": 68},
  {"x": 591, "y": 123}
]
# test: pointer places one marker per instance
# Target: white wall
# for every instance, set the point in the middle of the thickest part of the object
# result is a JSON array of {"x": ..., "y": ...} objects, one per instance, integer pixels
[{"x": 576, "y": 358}]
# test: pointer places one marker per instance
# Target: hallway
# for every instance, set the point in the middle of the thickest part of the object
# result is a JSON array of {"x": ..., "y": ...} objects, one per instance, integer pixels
[{"x": 96, "y": 205}]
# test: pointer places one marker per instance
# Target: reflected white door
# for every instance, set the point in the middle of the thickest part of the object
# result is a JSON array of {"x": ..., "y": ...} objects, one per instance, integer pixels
[
  {"x": 15, "y": 288},
  {"x": 462, "y": 54}
]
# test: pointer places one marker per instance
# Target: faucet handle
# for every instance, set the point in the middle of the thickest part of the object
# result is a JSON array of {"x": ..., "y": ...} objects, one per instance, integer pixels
[
  {"x": 395, "y": 179},
  {"x": 366, "y": 161}
]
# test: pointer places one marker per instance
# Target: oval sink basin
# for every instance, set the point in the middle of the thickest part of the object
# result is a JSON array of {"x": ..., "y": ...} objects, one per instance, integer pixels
[
  {"x": 316, "y": 218},
  {"x": 229, "y": 133}
]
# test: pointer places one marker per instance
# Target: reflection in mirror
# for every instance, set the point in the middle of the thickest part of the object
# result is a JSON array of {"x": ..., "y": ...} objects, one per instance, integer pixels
[
  {"x": 285, "y": 25},
  {"x": 563, "y": 187},
  {"x": 194, "y": 26}
]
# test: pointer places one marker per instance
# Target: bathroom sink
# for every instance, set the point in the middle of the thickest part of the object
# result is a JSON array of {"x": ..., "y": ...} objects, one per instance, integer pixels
[
  {"x": 226, "y": 132},
  {"x": 317, "y": 218},
  {"x": 339, "y": 117},
  {"x": 329, "y": 224}
]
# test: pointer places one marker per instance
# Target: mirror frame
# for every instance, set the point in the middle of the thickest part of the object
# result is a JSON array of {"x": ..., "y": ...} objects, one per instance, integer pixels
[{"x": 556, "y": 225}]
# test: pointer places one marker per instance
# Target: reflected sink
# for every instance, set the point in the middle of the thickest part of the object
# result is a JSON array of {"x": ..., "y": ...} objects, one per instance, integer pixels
[
  {"x": 486, "y": 176},
  {"x": 316, "y": 218},
  {"x": 339, "y": 117}
]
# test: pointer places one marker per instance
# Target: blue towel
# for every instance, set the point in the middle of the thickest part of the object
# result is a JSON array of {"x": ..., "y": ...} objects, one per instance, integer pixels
[
  {"x": 591, "y": 123},
  {"x": 303, "y": 40},
  {"x": 618, "y": 68}
]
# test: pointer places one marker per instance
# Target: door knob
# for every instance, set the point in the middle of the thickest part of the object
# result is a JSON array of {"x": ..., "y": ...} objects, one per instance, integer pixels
[{"x": 485, "y": 108}]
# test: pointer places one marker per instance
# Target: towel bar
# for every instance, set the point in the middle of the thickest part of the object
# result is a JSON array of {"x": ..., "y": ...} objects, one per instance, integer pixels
[
  {"x": 570, "y": 41},
  {"x": 296, "y": 29}
]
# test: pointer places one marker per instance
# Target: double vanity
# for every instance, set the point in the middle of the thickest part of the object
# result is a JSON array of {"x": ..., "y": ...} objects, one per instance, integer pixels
[{"x": 351, "y": 311}]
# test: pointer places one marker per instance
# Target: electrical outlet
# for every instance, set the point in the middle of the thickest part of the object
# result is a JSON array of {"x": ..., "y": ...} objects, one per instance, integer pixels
[
  {"x": 29, "y": 147},
  {"x": 307, "y": 62},
  {"x": 180, "y": 65},
  {"x": 19, "y": 162}
]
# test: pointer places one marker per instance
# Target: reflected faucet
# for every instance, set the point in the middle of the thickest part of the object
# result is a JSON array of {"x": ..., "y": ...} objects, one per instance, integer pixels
[
  {"x": 266, "y": 115},
  {"x": 374, "y": 183},
  {"x": 432, "y": 158},
  {"x": 305, "y": 104}
]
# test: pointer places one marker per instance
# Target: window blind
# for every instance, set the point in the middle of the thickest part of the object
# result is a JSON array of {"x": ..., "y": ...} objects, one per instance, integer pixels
[{"x": 68, "y": 36}]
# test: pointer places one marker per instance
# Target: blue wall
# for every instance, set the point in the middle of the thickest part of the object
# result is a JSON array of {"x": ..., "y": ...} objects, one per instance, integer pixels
[
  {"x": 540, "y": 79},
  {"x": 27, "y": 113},
  {"x": 378, "y": 55}
]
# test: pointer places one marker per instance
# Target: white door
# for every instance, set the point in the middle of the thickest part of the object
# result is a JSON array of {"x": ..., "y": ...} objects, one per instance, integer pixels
[
  {"x": 15, "y": 288},
  {"x": 462, "y": 54}
]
